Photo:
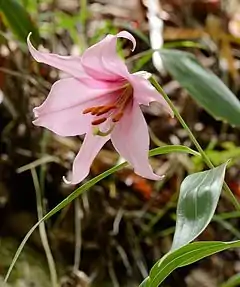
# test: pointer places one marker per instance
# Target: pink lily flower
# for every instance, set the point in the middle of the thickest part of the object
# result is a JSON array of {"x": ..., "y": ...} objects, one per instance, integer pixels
[{"x": 100, "y": 99}]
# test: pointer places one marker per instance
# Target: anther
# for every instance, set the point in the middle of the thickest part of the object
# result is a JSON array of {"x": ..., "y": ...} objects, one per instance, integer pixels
[
  {"x": 88, "y": 110},
  {"x": 117, "y": 117},
  {"x": 96, "y": 110},
  {"x": 106, "y": 109},
  {"x": 98, "y": 121}
]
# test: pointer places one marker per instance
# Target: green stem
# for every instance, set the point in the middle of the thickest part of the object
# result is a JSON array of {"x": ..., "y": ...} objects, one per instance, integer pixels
[{"x": 228, "y": 191}]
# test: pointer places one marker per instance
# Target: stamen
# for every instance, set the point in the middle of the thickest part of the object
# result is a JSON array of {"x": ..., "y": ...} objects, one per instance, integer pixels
[
  {"x": 106, "y": 109},
  {"x": 117, "y": 117},
  {"x": 125, "y": 100},
  {"x": 118, "y": 105},
  {"x": 96, "y": 110},
  {"x": 98, "y": 121},
  {"x": 88, "y": 110}
]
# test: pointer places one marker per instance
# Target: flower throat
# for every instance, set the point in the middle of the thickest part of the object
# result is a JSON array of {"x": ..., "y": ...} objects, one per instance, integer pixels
[{"x": 112, "y": 110}]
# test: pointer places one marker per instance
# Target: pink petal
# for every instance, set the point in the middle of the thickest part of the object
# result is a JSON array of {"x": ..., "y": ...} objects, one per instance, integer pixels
[
  {"x": 62, "y": 110},
  {"x": 101, "y": 60},
  {"x": 69, "y": 64},
  {"x": 83, "y": 161},
  {"x": 130, "y": 138},
  {"x": 145, "y": 93}
]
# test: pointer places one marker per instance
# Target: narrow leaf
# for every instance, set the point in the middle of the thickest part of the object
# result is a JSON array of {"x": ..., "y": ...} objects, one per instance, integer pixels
[
  {"x": 198, "y": 199},
  {"x": 183, "y": 256},
  {"x": 172, "y": 148},
  {"x": 204, "y": 86}
]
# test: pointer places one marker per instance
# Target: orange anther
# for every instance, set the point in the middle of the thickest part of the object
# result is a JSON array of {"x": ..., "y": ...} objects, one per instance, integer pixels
[
  {"x": 98, "y": 121},
  {"x": 88, "y": 110},
  {"x": 106, "y": 109},
  {"x": 96, "y": 110}
]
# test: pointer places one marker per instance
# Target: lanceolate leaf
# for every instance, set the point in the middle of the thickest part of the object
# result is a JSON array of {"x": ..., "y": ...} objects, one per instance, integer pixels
[
  {"x": 198, "y": 199},
  {"x": 204, "y": 86},
  {"x": 183, "y": 256},
  {"x": 19, "y": 20}
]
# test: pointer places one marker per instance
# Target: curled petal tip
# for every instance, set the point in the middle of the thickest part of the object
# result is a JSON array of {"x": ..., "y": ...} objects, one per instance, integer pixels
[
  {"x": 66, "y": 180},
  {"x": 35, "y": 53},
  {"x": 28, "y": 36},
  {"x": 129, "y": 36}
]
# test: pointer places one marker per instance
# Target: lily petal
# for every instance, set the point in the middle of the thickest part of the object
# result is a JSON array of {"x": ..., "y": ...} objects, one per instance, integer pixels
[
  {"x": 83, "y": 161},
  {"x": 102, "y": 61},
  {"x": 145, "y": 93},
  {"x": 69, "y": 64},
  {"x": 130, "y": 138},
  {"x": 61, "y": 112}
]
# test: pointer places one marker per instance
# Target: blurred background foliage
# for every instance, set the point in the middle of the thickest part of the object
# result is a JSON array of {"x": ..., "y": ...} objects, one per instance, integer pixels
[{"x": 114, "y": 233}]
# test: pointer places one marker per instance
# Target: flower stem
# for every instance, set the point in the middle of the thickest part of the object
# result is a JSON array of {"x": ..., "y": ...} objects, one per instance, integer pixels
[{"x": 228, "y": 191}]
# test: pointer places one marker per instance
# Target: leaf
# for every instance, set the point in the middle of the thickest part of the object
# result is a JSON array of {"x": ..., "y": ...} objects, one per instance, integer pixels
[
  {"x": 85, "y": 187},
  {"x": 204, "y": 86},
  {"x": 19, "y": 20},
  {"x": 145, "y": 282},
  {"x": 233, "y": 281},
  {"x": 198, "y": 199},
  {"x": 172, "y": 148},
  {"x": 183, "y": 256}
]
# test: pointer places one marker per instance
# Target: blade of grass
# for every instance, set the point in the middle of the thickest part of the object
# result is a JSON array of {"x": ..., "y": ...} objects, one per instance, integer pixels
[
  {"x": 42, "y": 230},
  {"x": 78, "y": 231},
  {"x": 41, "y": 161}
]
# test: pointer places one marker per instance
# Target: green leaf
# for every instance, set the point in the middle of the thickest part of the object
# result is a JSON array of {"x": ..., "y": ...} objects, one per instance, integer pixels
[
  {"x": 204, "y": 86},
  {"x": 183, "y": 256},
  {"x": 198, "y": 199},
  {"x": 172, "y": 148},
  {"x": 234, "y": 281},
  {"x": 144, "y": 283},
  {"x": 19, "y": 20},
  {"x": 85, "y": 187}
]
